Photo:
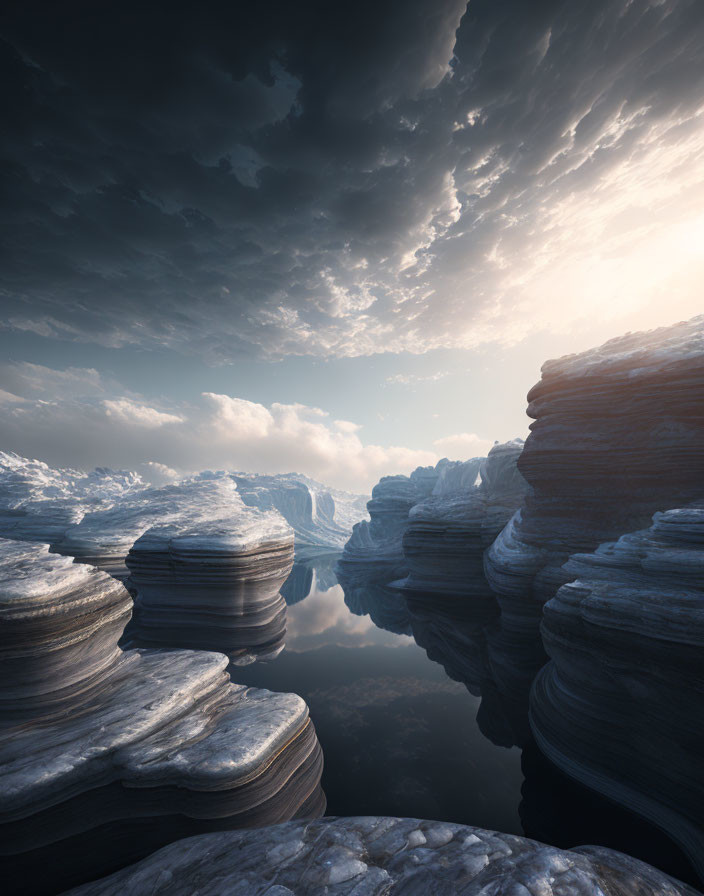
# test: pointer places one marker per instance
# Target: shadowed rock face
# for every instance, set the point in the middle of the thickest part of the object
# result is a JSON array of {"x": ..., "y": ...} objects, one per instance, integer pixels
[
  {"x": 373, "y": 855},
  {"x": 447, "y": 533},
  {"x": 93, "y": 739},
  {"x": 618, "y": 435},
  {"x": 374, "y": 553},
  {"x": 621, "y": 706},
  {"x": 213, "y": 585}
]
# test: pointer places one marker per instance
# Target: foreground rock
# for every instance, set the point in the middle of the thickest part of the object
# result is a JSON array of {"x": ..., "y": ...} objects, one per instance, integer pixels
[
  {"x": 621, "y": 706},
  {"x": 213, "y": 585},
  {"x": 321, "y": 517},
  {"x": 106, "y": 755},
  {"x": 447, "y": 533},
  {"x": 379, "y": 856},
  {"x": 619, "y": 434}
]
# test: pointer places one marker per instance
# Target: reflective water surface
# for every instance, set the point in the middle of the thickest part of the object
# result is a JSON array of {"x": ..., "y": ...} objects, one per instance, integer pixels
[{"x": 421, "y": 710}]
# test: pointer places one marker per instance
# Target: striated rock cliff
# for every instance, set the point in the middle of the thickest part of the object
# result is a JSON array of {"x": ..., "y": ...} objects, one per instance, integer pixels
[
  {"x": 106, "y": 755},
  {"x": 381, "y": 855},
  {"x": 213, "y": 584},
  {"x": 374, "y": 552},
  {"x": 447, "y": 533},
  {"x": 618, "y": 435},
  {"x": 104, "y": 537},
  {"x": 620, "y": 706},
  {"x": 60, "y": 626}
]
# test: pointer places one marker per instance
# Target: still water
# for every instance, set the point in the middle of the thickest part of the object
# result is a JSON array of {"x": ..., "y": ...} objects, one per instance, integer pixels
[{"x": 411, "y": 725}]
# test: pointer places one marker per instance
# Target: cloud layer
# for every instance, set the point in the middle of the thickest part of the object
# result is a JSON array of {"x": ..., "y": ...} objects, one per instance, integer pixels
[
  {"x": 336, "y": 180},
  {"x": 217, "y": 432}
]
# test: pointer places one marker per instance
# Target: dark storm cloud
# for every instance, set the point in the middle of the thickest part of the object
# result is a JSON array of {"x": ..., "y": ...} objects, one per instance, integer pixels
[{"x": 313, "y": 177}]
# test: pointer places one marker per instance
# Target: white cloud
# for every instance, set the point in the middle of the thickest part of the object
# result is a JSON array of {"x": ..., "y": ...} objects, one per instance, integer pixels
[
  {"x": 135, "y": 414},
  {"x": 347, "y": 426}
]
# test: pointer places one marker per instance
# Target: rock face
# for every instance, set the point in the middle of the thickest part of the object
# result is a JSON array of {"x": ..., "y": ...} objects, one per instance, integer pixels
[
  {"x": 321, "y": 518},
  {"x": 447, "y": 533},
  {"x": 379, "y": 856},
  {"x": 621, "y": 706},
  {"x": 618, "y": 435},
  {"x": 374, "y": 552},
  {"x": 105, "y": 755},
  {"x": 60, "y": 626},
  {"x": 214, "y": 584}
]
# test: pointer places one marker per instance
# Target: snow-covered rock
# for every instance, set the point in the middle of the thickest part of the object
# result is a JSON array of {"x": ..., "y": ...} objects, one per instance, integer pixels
[
  {"x": 321, "y": 517},
  {"x": 106, "y": 755},
  {"x": 374, "y": 856},
  {"x": 447, "y": 533},
  {"x": 38, "y": 502},
  {"x": 374, "y": 552},
  {"x": 212, "y": 582}
]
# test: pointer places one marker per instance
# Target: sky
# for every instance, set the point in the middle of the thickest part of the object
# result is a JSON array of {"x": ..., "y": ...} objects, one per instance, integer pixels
[{"x": 338, "y": 239}]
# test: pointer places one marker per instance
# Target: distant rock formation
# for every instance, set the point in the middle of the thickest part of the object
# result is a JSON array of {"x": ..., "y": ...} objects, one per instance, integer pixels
[
  {"x": 213, "y": 584},
  {"x": 104, "y": 537},
  {"x": 38, "y": 502},
  {"x": 621, "y": 705},
  {"x": 374, "y": 553},
  {"x": 96, "y": 517},
  {"x": 447, "y": 533},
  {"x": 373, "y": 856},
  {"x": 618, "y": 435},
  {"x": 321, "y": 517},
  {"x": 106, "y": 755}
]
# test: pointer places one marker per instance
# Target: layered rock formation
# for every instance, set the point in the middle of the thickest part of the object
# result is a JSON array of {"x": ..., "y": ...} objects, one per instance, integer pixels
[
  {"x": 104, "y": 537},
  {"x": 105, "y": 755},
  {"x": 374, "y": 552},
  {"x": 620, "y": 707},
  {"x": 321, "y": 518},
  {"x": 382, "y": 855},
  {"x": 214, "y": 584},
  {"x": 60, "y": 626},
  {"x": 618, "y": 435},
  {"x": 447, "y": 533}
]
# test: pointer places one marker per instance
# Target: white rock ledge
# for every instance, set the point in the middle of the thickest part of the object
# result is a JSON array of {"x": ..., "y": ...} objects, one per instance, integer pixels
[{"x": 375, "y": 856}]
